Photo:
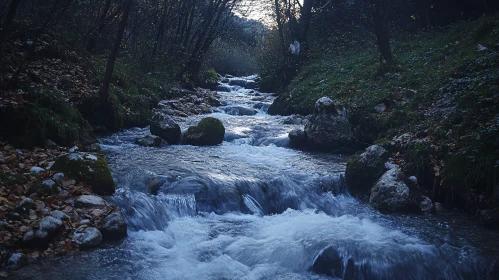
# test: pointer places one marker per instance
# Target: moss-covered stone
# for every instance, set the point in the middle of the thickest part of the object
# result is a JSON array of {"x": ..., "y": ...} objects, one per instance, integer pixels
[
  {"x": 43, "y": 188},
  {"x": 91, "y": 169},
  {"x": 208, "y": 132},
  {"x": 364, "y": 170}
]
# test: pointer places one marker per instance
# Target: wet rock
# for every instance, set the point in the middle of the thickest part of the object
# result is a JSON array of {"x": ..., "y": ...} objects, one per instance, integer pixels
[
  {"x": 36, "y": 170},
  {"x": 237, "y": 82},
  {"x": 40, "y": 237},
  {"x": 208, "y": 132},
  {"x": 329, "y": 263},
  {"x": 44, "y": 188},
  {"x": 74, "y": 149},
  {"x": 49, "y": 144},
  {"x": 250, "y": 84},
  {"x": 90, "y": 237},
  {"x": 13, "y": 216},
  {"x": 114, "y": 226},
  {"x": 240, "y": 111},
  {"x": 362, "y": 171},
  {"x": 25, "y": 205},
  {"x": 148, "y": 141},
  {"x": 58, "y": 177},
  {"x": 426, "y": 205},
  {"x": 59, "y": 215},
  {"x": 224, "y": 88},
  {"x": 231, "y": 136},
  {"x": 92, "y": 148},
  {"x": 293, "y": 120},
  {"x": 490, "y": 218},
  {"x": 90, "y": 169},
  {"x": 391, "y": 193},
  {"x": 329, "y": 128},
  {"x": 89, "y": 201},
  {"x": 297, "y": 139},
  {"x": 165, "y": 127},
  {"x": 84, "y": 222},
  {"x": 17, "y": 260}
]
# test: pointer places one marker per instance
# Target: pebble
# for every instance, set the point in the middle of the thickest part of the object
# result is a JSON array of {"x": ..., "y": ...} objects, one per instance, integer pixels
[{"x": 36, "y": 170}]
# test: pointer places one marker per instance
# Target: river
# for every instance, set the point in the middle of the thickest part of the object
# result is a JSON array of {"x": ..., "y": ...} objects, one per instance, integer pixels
[{"x": 252, "y": 208}]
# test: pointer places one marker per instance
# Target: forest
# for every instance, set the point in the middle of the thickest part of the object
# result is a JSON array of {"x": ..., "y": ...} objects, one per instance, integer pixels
[{"x": 249, "y": 139}]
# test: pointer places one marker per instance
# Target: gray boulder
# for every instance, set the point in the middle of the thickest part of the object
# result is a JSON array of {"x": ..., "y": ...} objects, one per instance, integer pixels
[
  {"x": 89, "y": 201},
  {"x": 297, "y": 139},
  {"x": 364, "y": 170},
  {"x": 239, "y": 111},
  {"x": 114, "y": 226},
  {"x": 90, "y": 237},
  {"x": 148, "y": 141},
  {"x": 390, "y": 192},
  {"x": 224, "y": 88},
  {"x": 329, "y": 128},
  {"x": 250, "y": 84},
  {"x": 25, "y": 205},
  {"x": 165, "y": 127},
  {"x": 41, "y": 236},
  {"x": 17, "y": 260},
  {"x": 237, "y": 82}
]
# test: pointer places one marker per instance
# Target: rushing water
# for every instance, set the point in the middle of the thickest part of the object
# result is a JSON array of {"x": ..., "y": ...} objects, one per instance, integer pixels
[{"x": 252, "y": 208}]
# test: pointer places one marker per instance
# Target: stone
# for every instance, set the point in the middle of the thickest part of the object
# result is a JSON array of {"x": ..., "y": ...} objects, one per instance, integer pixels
[
  {"x": 90, "y": 237},
  {"x": 148, "y": 141},
  {"x": 114, "y": 226},
  {"x": 481, "y": 48},
  {"x": 224, "y": 88},
  {"x": 380, "y": 108},
  {"x": 89, "y": 201},
  {"x": 44, "y": 188},
  {"x": 208, "y": 132},
  {"x": 250, "y": 84},
  {"x": 17, "y": 260},
  {"x": 237, "y": 82},
  {"x": 41, "y": 236},
  {"x": 90, "y": 169},
  {"x": 25, "y": 205},
  {"x": 362, "y": 171},
  {"x": 297, "y": 139},
  {"x": 413, "y": 180},
  {"x": 59, "y": 215},
  {"x": 92, "y": 148},
  {"x": 165, "y": 127},
  {"x": 85, "y": 222},
  {"x": 36, "y": 170},
  {"x": 49, "y": 144},
  {"x": 390, "y": 193},
  {"x": 240, "y": 111},
  {"x": 329, "y": 128},
  {"x": 13, "y": 216},
  {"x": 426, "y": 205},
  {"x": 58, "y": 177},
  {"x": 292, "y": 120},
  {"x": 74, "y": 149}
]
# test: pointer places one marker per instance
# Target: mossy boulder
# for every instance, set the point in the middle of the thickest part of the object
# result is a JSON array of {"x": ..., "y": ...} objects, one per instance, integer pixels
[
  {"x": 87, "y": 168},
  {"x": 208, "y": 132},
  {"x": 364, "y": 170},
  {"x": 44, "y": 188}
]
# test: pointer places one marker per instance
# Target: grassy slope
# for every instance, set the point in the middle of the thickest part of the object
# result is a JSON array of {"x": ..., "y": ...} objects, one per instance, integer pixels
[{"x": 433, "y": 66}]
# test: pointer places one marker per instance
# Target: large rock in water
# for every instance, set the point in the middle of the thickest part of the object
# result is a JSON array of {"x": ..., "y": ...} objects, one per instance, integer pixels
[
  {"x": 391, "y": 193},
  {"x": 90, "y": 237},
  {"x": 297, "y": 139},
  {"x": 114, "y": 226},
  {"x": 208, "y": 132},
  {"x": 364, "y": 170},
  {"x": 240, "y": 111},
  {"x": 148, "y": 141},
  {"x": 90, "y": 169},
  {"x": 165, "y": 127},
  {"x": 329, "y": 128},
  {"x": 237, "y": 82}
]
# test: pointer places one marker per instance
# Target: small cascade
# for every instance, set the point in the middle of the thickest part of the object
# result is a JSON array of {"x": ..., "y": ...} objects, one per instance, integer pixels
[{"x": 252, "y": 205}]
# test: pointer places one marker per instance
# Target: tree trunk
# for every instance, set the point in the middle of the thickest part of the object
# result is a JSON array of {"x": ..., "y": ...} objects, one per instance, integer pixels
[
  {"x": 306, "y": 15},
  {"x": 279, "y": 26},
  {"x": 104, "y": 92},
  {"x": 5, "y": 27},
  {"x": 382, "y": 30}
]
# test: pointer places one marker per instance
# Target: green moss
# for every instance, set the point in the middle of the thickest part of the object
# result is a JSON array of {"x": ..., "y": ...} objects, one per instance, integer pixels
[
  {"x": 360, "y": 177},
  {"x": 8, "y": 179},
  {"x": 92, "y": 170},
  {"x": 42, "y": 189},
  {"x": 208, "y": 132}
]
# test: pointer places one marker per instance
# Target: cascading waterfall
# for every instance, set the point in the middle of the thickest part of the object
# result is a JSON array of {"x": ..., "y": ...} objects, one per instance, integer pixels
[{"x": 252, "y": 208}]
